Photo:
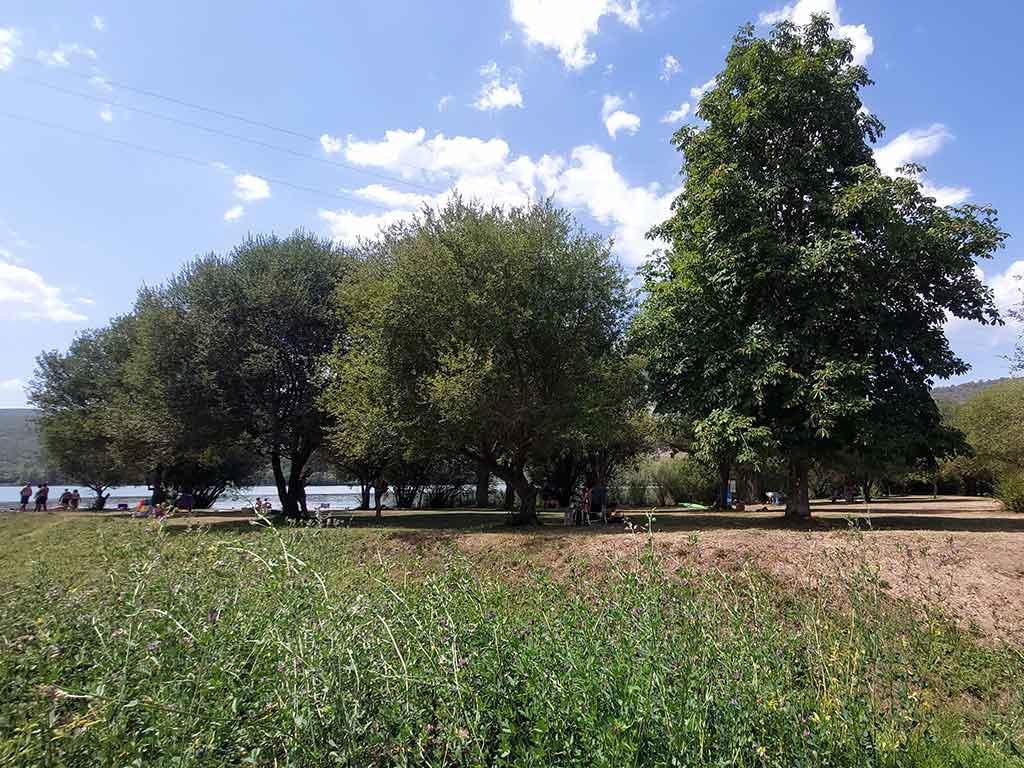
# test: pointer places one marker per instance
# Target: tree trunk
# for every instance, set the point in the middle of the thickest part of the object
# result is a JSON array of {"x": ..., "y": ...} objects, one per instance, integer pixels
[
  {"x": 100, "y": 501},
  {"x": 867, "y": 490},
  {"x": 483, "y": 486},
  {"x": 755, "y": 493},
  {"x": 380, "y": 487},
  {"x": 290, "y": 491},
  {"x": 798, "y": 502},
  {"x": 510, "y": 497},
  {"x": 527, "y": 504}
]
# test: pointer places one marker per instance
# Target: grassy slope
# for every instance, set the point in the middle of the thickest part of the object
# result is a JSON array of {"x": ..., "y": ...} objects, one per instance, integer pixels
[{"x": 129, "y": 644}]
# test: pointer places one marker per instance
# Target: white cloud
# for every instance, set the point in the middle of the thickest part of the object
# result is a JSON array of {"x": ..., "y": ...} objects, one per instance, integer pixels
[
  {"x": 487, "y": 171},
  {"x": 669, "y": 67},
  {"x": 677, "y": 115},
  {"x": 61, "y": 55},
  {"x": 393, "y": 198},
  {"x": 697, "y": 92},
  {"x": 443, "y": 102},
  {"x": 1008, "y": 288},
  {"x": 947, "y": 195},
  {"x": 411, "y": 154},
  {"x": 609, "y": 69},
  {"x": 12, "y": 393},
  {"x": 913, "y": 147},
  {"x": 348, "y": 227},
  {"x": 9, "y": 42},
  {"x": 566, "y": 25},
  {"x": 234, "y": 213},
  {"x": 106, "y": 115},
  {"x": 100, "y": 82},
  {"x": 250, "y": 188},
  {"x": 616, "y": 119},
  {"x": 98, "y": 23},
  {"x": 331, "y": 144},
  {"x": 592, "y": 183},
  {"x": 25, "y": 294},
  {"x": 496, "y": 92},
  {"x": 800, "y": 13}
]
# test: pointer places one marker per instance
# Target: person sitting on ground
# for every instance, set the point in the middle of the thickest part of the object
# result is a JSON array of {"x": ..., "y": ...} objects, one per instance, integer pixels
[
  {"x": 26, "y": 495},
  {"x": 76, "y": 497}
]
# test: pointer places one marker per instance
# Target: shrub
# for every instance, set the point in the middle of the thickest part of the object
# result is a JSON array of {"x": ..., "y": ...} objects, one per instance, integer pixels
[
  {"x": 1010, "y": 491},
  {"x": 681, "y": 478}
]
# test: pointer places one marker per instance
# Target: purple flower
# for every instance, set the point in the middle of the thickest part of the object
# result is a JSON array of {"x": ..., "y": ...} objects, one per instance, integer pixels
[
  {"x": 212, "y": 615},
  {"x": 153, "y": 646}
]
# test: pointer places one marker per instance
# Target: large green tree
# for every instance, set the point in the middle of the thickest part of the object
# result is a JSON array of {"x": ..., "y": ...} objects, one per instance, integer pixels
[
  {"x": 171, "y": 421},
  {"x": 802, "y": 291},
  {"x": 74, "y": 391},
  {"x": 993, "y": 423},
  {"x": 259, "y": 324},
  {"x": 492, "y": 325}
]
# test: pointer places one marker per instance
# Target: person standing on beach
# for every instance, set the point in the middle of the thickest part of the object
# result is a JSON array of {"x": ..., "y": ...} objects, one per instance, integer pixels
[
  {"x": 76, "y": 497},
  {"x": 26, "y": 494},
  {"x": 42, "y": 495}
]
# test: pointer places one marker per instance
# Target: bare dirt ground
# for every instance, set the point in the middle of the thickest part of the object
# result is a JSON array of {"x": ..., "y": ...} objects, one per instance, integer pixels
[{"x": 962, "y": 555}]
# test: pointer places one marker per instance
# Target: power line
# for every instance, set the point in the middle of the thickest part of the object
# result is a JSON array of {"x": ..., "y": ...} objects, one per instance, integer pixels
[
  {"x": 167, "y": 154},
  {"x": 196, "y": 106},
  {"x": 226, "y": 134}
]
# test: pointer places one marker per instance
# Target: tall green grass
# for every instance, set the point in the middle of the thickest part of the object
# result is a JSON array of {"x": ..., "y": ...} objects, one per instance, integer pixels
[{"x": 130, "y": 645}]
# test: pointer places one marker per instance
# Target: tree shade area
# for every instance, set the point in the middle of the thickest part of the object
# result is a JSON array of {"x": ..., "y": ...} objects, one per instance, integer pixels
[{"x": 785, "y": 337}]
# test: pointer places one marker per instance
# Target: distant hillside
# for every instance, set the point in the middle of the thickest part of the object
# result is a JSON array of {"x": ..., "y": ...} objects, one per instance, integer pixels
[
  {"x": 961, "y": 393},
  {"x": 20, "y": 455}
]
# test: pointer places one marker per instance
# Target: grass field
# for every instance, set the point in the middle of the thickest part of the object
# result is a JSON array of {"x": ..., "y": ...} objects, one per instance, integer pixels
[{"x": 450, "y": 640}]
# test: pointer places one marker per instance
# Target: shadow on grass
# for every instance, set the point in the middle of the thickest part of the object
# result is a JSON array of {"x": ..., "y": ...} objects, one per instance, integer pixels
[{"x": 481, "y": 521}]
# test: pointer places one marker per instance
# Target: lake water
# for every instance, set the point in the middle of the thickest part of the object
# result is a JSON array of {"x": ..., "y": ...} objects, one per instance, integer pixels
[{"x": 334, "y": 496}]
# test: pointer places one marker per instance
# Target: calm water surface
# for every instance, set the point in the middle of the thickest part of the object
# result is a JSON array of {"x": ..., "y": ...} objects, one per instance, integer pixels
[{"x": 336, "y": 496}]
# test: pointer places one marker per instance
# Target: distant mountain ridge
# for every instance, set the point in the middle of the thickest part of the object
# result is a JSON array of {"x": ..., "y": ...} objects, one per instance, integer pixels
[
  {"x": 958, "y": 394},
  {"x": 21, "y": 457}
]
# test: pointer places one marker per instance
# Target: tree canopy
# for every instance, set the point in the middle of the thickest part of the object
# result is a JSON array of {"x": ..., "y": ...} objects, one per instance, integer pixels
[
  {"x": 492, "y": 325},
  {"x": 802, "y": 290}
]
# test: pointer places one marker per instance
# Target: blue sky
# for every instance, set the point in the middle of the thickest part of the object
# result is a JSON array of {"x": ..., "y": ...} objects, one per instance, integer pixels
[{"x": 375, "y": 107}]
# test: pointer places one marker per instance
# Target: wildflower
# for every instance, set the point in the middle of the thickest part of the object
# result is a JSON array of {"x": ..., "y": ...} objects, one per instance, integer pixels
[
  {"x": 463, "y": 734},
  {"x": 152, "y": 647},
  {"x": 118, "y": 632},
  {"x": 212, "y": 614}
]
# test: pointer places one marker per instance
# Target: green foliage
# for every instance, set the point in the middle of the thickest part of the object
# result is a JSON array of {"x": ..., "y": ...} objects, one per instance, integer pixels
[
  {"x": 263, "y": 647},
  {"x": 1010, "y": 490},
  {"x": 74, "y": 392},
  {"x": 993, "y": 423},
  {"x": 236, "y": 347},
  {"x": 492, "y": 327},
  {"x": 678, "y": 479},
  {"x": 803, "y": 289}
]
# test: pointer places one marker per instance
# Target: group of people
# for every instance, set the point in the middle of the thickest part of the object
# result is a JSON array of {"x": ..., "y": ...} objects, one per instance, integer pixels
[
  {"x": 68, "y": 500},
  {"x": 594, "y": 506}
]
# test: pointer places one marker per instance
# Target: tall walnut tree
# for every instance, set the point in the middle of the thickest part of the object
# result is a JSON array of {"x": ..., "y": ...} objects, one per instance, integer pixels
[{"x": 802, "y": 290}]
